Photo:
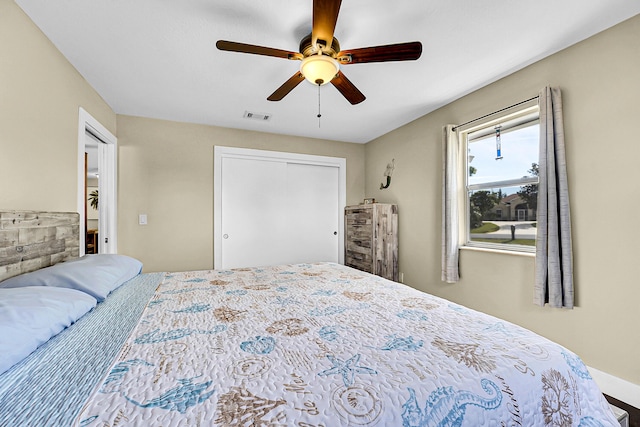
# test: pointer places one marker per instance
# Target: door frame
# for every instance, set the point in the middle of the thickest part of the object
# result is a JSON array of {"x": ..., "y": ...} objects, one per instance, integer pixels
[
  {"x": 221, "y": 152},
  {"x": 107, "y": 168}
]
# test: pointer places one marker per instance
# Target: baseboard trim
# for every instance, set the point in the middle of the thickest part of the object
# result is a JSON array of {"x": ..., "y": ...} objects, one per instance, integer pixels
[{"x": 617, "y": 387}]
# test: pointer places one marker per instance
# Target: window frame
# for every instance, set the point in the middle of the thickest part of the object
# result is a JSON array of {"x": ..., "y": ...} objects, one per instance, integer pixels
[{"x": 523, "y": 117}]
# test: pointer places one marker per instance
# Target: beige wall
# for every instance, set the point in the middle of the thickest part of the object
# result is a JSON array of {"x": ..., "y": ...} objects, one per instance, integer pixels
[
  {"x": 600, "y": 80},
  {"x": 40, "y": 95},
  {"x": 166, "y": 171}
]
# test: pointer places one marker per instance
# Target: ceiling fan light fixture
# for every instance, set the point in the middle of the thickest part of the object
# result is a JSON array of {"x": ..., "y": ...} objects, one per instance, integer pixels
[{"x": 319, "y": 69}]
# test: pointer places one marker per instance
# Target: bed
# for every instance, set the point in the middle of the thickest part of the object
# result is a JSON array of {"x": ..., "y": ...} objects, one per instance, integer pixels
[{"x": 304, "y": 345}]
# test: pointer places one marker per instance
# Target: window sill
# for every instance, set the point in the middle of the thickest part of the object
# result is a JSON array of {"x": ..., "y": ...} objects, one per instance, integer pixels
[{"x": 498, "y": 251}]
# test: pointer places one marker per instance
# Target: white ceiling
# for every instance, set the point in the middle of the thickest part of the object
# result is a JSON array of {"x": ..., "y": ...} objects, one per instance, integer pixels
[{"x": 157, "y": 58}]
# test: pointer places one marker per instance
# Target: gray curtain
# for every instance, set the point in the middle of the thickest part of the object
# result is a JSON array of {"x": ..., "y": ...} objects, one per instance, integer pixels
[
  {"x": 450, "y": 210},
  {"x": 554, "y": 259}
]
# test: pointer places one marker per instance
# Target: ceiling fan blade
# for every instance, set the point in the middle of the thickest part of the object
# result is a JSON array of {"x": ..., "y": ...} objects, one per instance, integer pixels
[
  {"x": 325, "y": 16},
  {"x": 287, "y": 87},
  {"x": 392, "y": 52},
  {"x": 347, "y": 89},
  {"x": 257, "y": 50}
]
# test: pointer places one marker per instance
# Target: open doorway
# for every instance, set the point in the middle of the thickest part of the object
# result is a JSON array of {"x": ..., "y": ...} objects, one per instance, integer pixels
[
  {"x": 92, "y": 194},
  {"x": 97, "y": 148}
]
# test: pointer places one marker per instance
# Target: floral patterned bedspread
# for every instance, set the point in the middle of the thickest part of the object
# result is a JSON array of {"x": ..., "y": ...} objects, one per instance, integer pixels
[{"x": 326, "y": 345}]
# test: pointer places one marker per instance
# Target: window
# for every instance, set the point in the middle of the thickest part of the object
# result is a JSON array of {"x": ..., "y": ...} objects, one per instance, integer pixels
[{"x": 501, "y": 168}]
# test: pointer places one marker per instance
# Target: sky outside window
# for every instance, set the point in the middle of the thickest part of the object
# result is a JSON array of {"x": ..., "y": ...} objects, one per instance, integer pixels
[{"x": 519, "y": 150}]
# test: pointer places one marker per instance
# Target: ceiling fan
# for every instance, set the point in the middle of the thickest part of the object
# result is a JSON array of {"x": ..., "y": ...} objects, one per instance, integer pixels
[{"x": 321, "y": 55}]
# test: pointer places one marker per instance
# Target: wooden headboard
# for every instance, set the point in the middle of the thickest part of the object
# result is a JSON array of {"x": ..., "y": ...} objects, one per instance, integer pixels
[{"x": 30, "y": 240}]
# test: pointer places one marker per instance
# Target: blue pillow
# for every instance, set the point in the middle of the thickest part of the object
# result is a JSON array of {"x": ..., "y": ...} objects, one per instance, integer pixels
[
  {"x": 30, "y": 316},
  {"x": 96, "y": 275}
]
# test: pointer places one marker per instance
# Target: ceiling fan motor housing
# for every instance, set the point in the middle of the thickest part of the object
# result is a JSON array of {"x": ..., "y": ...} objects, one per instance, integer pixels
[{"x": 307, "y": 48}]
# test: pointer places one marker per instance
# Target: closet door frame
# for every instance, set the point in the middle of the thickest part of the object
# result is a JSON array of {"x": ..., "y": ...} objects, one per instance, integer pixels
[{"x": 221, "y": 152}]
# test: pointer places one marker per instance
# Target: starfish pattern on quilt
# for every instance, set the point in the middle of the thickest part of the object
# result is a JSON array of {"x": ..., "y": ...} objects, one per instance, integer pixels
[{"x": 347, "y": 368}]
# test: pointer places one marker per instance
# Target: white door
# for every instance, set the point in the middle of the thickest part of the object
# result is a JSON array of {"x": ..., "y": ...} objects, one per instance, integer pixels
[
  {"x": 312, "y": 213},
  {"x": 253, "y": 196},
  {"x": 106, "y": 193},
  {"x": 272, "y": 209}
]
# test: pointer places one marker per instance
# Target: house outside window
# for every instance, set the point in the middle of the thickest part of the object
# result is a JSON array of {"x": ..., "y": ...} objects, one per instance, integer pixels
[{"x": 501, "y": 165}]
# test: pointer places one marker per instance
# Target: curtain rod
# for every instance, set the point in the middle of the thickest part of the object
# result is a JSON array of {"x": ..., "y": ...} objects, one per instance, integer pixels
[{"x": 495, "y": 112}]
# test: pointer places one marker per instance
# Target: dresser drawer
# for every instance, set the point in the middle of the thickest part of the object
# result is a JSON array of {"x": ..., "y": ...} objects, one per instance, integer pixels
[
  {"x": 359, "y": 246},
  {"x": 358, "y": 216},
  {"x": 359, "y": 260},
  {"x": 359, "y": 233}
]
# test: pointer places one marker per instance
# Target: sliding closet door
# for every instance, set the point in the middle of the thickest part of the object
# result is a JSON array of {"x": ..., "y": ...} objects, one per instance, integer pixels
[
  {"x": 312, "y": 213},
  {"x": 253, "y": 195},
  {"x": 274, "y": 210}
]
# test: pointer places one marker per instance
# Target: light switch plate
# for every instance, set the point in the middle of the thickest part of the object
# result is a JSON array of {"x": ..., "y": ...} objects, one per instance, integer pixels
[{"x": 142, "y": 219}]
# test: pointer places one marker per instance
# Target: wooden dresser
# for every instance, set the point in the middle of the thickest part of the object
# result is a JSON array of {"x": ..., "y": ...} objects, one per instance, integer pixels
[{"x": 371, "y": 239}]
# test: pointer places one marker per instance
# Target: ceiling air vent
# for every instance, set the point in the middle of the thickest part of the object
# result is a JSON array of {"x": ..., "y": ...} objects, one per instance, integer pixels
[{"x": 264, "y": 117}]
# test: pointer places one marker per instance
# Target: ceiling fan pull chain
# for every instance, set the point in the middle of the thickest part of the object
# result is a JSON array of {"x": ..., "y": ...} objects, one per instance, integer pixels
[{"x": 319, "y": 115}]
